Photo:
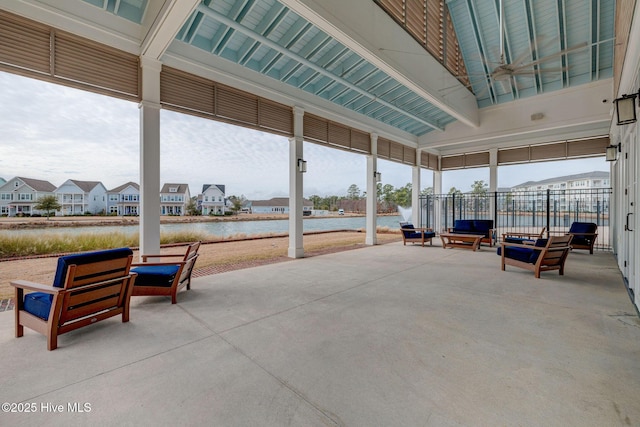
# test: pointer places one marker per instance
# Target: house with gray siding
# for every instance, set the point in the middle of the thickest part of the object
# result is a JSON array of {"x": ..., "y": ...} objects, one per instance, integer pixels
[
  {"x": 124, "y": 199},
  {"x": 174, "y": 199},
  {"x": 77, "y": 197},
  {"x": 19, "y": 195}
]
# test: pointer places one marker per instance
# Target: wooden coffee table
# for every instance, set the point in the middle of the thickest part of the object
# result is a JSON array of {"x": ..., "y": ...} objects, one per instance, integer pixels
[{"x": 463, "y": 241}]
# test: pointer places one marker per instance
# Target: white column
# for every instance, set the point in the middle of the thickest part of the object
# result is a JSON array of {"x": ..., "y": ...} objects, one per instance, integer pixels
[
  {"x": 150, "y": 157},
  {"x": 415, "y": 194},
  {"x": 296, "y": 249},
  {"x": 493, "y": 183},
  {"x": 437, "y": 190},
  {"x": 372, "y": 194}
]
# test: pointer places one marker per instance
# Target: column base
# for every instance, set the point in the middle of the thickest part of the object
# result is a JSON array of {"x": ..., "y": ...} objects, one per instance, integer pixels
[{"x": 296, "y": 253}]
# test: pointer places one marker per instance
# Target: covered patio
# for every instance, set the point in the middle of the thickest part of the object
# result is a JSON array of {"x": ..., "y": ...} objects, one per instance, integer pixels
[{"x": 383, "y": 335}]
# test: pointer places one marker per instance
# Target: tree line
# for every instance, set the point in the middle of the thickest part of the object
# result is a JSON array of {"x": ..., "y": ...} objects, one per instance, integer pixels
[{"x": 387, "y": 196}]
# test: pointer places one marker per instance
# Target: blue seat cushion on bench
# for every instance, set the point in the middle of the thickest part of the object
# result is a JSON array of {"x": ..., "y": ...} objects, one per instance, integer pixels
[
  {"x": 518, "y": 240},
  {"x": 38, "y": 304},
  {"x": 85, "y": 258},
  {"x": 463, "y": 226},
  {"x": 155, "y": 275},
  {"x": 473, "y": 226},
  {"x": 523, "y": 254},
  {"x": 483, "y": 226},
  {"x": 415, "y": 234}
]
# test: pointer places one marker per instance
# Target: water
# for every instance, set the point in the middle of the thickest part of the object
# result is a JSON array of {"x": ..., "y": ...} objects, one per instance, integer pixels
[{"x": 223, "y": 228}]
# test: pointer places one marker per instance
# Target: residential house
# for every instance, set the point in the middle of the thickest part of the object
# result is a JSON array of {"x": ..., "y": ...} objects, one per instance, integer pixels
[
  {"x": 213, "y": 199},
  {"x": 174, "y": 199},
  {"x": 19, "y": 195},
  {"x": 80, "y": 197},
  {"x": 278, "y": 205},
  {"x": 124, "y": 199}
]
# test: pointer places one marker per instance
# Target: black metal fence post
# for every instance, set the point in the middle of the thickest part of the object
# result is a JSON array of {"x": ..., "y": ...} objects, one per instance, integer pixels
[{"x": 548, "y": 211}]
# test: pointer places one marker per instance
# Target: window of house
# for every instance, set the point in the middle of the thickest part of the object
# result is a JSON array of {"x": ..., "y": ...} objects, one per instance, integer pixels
[{"x": 173, "y": 189}]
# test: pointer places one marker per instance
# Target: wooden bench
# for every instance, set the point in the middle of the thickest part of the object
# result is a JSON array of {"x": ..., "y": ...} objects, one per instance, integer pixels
[{"x": 87, "y": 288}]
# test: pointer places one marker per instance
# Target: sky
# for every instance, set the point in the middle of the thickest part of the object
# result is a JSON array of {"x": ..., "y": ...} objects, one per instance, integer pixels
[{"x": 56, "y": 133}]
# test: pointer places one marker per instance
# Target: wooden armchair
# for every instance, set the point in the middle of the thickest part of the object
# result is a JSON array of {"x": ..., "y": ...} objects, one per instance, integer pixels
[
  {"x": 416, "y": 235},
  {"x": 545, "y": 255},
  {"x": 522, "y": 237},
  {"x": 87, "y": 288},
  {"x": 165, "y": 277}
]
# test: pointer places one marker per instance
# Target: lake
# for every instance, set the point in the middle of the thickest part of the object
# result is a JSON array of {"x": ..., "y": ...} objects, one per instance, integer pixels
[{"x": 223, "y": 228}]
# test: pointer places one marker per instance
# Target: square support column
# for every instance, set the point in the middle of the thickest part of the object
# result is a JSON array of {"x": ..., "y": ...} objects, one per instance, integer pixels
[
  {"x": 296, "y": 249},
  {"x": 437, "y": 191},
  {"x": 415, "y": 194},
  {"x": 150, "y": 157},
  {"x": 371, "y": 220},
  {"x": 493, "y": 182}
]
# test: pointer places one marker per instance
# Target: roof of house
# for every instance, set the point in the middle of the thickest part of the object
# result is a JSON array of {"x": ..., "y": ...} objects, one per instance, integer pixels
[
  {"x": 574, "y": 177},
  {"x": 182, "y": 188},
  {"x": 86, "y": 186},
  {"x": 123, "y": 186},
  {"x": 205, "y": 187},
  {"x": 278, "y": 201},
  {"x": 38, "y": 184}
]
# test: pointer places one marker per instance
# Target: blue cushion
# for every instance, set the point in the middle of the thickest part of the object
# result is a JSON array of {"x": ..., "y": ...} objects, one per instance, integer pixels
[
  {"x": 520, "y": 254},
  {"x": 583, "y": 227},
  {"x": 518, "y": 240},
  {"x": 155, "y": 275},
  {"x": 541, "y": 243},
  {"x": 418, "y": 235},
  {"x": 38, "y": 304},
  {"x": 523, "y": 254},
  {"x": 483, "y": 226},
  {"x": 85, "y": 258},
  {"x": 463, "y": 225}
]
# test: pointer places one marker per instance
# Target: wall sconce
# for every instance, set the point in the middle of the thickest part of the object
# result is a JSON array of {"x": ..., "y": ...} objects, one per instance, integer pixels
[
  {"x": 302, "y": 166},
  {"x": 612, "y": 152},
  {"x": 377, "y": 176},
  {"x": 626, "y": 108}
]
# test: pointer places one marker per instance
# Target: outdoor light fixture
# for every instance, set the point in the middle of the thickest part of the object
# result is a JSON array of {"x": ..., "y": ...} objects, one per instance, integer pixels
[
  {"x": 612, "y": 152},
  {"x": 302, "y": 165},
  {"x": 626, "y": 108},
  {"x": 377, "y": 176}
]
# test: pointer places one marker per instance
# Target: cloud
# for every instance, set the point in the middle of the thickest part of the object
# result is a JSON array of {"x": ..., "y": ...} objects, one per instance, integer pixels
[{"x": 56, "y": 133}]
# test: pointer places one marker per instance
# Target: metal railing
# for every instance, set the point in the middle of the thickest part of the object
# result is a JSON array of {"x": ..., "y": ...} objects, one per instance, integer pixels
[{"x": 526, "y": 211}]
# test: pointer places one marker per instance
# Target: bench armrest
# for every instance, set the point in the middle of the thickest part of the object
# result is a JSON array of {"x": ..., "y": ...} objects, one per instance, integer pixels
[
  {"x": 145, "y": 257},
  {"x": 33, "y": 286},
  {"x": 151, "y": 264}
]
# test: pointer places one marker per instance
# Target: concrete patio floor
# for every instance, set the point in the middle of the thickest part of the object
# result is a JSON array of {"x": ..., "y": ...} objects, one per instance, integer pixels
[{"x": 379, "y": 336}]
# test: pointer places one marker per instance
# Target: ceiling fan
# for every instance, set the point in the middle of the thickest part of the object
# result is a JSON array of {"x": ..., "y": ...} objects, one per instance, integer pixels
[{"x": 504, "y": 72}]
